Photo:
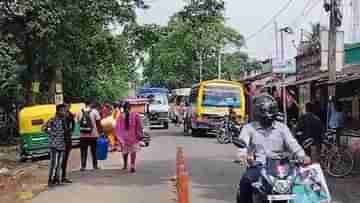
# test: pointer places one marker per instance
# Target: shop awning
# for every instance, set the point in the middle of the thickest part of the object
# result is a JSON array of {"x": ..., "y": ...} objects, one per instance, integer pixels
[
  {"x": 342, "y": 79},
  {"x": 311, "y": 79},
  {"x": 298, "y": 82}
]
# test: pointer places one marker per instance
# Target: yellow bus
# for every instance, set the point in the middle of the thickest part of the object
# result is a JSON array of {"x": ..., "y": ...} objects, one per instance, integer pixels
[{"x": 209, "y": 101}]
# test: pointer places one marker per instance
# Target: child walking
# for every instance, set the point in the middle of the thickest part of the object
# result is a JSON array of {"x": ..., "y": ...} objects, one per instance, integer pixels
[{"x": 55, "y": 128}]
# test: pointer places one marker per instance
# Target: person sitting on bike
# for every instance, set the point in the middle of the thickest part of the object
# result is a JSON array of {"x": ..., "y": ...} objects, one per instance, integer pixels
[
  {"x": 265, "y": 137},
  {"x": 310, "y": 126}
]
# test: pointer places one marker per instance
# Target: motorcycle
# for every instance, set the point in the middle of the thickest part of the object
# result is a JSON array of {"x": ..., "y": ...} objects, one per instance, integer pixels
[
  {"x": 228, "y": 130},
  {"x": 280, "y": 176}
]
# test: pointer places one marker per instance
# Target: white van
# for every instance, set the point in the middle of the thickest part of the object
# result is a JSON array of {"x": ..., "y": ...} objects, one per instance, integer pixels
[{"x": 158, "y": 110}]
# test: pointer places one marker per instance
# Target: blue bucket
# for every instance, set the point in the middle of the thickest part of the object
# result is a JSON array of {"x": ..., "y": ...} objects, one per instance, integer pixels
[{"x": 101, "y": 148}]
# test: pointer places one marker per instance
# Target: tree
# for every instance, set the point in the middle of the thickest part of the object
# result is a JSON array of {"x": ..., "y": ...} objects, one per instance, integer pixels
[
  {"x": 9, "y": 73},
  {"x": 45, "y": 37},
  {"x": 197, "y": 32}
]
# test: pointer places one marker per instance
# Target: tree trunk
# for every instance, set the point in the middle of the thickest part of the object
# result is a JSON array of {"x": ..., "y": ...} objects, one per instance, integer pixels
[
  {"x": 55, "y": 81},
  {"x": 29, "y": 97}
]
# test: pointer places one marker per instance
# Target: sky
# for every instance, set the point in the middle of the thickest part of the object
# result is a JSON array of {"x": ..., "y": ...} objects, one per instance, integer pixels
[{"x": 248, "y": 17}]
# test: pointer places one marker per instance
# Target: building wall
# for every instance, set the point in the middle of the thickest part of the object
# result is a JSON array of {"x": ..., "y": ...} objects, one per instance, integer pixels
[{"x": 352, "y": 54}]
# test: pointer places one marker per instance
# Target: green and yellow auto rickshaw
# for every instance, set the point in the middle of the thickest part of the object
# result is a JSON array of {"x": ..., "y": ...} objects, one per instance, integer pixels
[{"x": 34, "y": 142}]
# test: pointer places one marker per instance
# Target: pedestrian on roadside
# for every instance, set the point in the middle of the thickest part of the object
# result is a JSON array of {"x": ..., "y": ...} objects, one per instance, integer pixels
[
  {"x": 104, "y": 112},
  {"x": 90, "y": 129},
  {"x": 336, "y": 118},
  {"x": 311, "y": 126},
  {"x": 178, "y": 110},
  {"x": 55, "y": 128},
  {"x": 129, "y": 132},
  {"x": 115, "y": 113},
  {"x": 69, "y": 129}
]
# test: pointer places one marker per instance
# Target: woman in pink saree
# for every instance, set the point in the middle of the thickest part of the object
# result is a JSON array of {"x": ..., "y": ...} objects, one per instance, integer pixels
[{"x": 129, "y": 132}]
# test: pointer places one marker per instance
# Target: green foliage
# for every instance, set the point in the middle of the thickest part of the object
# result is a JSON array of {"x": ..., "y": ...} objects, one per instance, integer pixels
[
  {"x": 105, "y": 75},
  {"x": 38, "y": 37},
  {"x": 197, "y": 32},
  {"x": 9, "y": 72}
]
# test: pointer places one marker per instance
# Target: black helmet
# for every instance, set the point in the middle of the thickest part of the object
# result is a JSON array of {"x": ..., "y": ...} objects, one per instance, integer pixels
[{"x": 265, "y": 109}]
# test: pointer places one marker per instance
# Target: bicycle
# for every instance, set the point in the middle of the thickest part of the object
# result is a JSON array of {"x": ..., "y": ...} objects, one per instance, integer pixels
[
  {"x": 337, "y": 161},
  {"x": 355, "y": 148}
]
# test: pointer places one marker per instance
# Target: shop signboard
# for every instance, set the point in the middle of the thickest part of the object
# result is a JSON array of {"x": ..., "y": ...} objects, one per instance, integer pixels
[
  {"x": 284, "y": 66},
  {"x": 59, "y": 88},
  {"x": 59, "y": 99},
  {"x": 36, "y": 86}
]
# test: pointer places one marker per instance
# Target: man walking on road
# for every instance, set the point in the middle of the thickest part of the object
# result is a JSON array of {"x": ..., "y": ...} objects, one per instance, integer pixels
[
  {"x": 90, "y": 128},
  {"x": 69, "y": 129}
]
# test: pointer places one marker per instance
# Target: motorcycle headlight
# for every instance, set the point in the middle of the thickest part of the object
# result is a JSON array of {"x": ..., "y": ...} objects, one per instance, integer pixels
[{"x": 282, "y": 186}]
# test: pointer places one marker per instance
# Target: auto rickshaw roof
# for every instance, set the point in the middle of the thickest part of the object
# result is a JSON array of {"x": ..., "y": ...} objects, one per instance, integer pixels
[{"x": 39, "y": 110}]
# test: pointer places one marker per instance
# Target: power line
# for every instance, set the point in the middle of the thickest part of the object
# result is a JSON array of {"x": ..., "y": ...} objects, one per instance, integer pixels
[
  {"x": 295, "y": 21},
  {"x": 271, "y": 21},
  {"x": 150, "y": 1},
  {"x": 304, "y": 15},
  {"x": 306, "y": 6}
]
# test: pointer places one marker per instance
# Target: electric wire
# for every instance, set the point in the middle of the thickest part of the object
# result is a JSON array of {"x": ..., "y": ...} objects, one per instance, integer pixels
[{"x": 271, "y": 21}]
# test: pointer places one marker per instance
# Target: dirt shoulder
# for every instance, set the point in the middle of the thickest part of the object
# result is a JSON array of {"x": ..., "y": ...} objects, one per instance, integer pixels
[{"x": 20, "y": 181}]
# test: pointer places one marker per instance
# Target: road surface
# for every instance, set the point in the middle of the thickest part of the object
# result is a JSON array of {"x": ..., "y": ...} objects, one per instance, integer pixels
[{"x": 213, "y": 175}]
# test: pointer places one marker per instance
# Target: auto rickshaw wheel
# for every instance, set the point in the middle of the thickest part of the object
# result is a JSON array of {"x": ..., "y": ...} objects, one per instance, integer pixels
[{"x": 20, "y": 155}]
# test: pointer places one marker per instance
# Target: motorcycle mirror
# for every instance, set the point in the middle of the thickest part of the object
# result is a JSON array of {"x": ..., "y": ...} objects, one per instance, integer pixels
[{"x": 239, "y": 143}]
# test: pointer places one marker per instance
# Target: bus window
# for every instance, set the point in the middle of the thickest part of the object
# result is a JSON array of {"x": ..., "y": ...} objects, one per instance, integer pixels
[{"x": 221, "y": 96}]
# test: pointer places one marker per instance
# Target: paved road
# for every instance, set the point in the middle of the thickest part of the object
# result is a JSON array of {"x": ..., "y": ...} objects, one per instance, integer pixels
[{"x": 213, "y": 175}]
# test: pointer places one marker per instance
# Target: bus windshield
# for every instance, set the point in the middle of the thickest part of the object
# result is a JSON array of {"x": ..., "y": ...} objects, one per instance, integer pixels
[{"x": 221, "y": 96}]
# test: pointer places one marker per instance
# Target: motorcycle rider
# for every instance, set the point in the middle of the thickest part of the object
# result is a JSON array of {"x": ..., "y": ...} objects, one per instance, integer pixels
[{"x": 265, "y": 137}]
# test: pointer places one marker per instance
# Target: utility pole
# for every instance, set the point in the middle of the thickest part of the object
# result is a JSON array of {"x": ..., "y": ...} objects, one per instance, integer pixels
[
  {"x": 335, "y": 21},
  {"x": 287, "y": 30},
  {"x": 332, "y": 49},
  {"x": 284, "y": 75},
  {"x": 282, "y": 45},
  {"x": 276, "y": 41},
  {"x": 356, "y": 20}
]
